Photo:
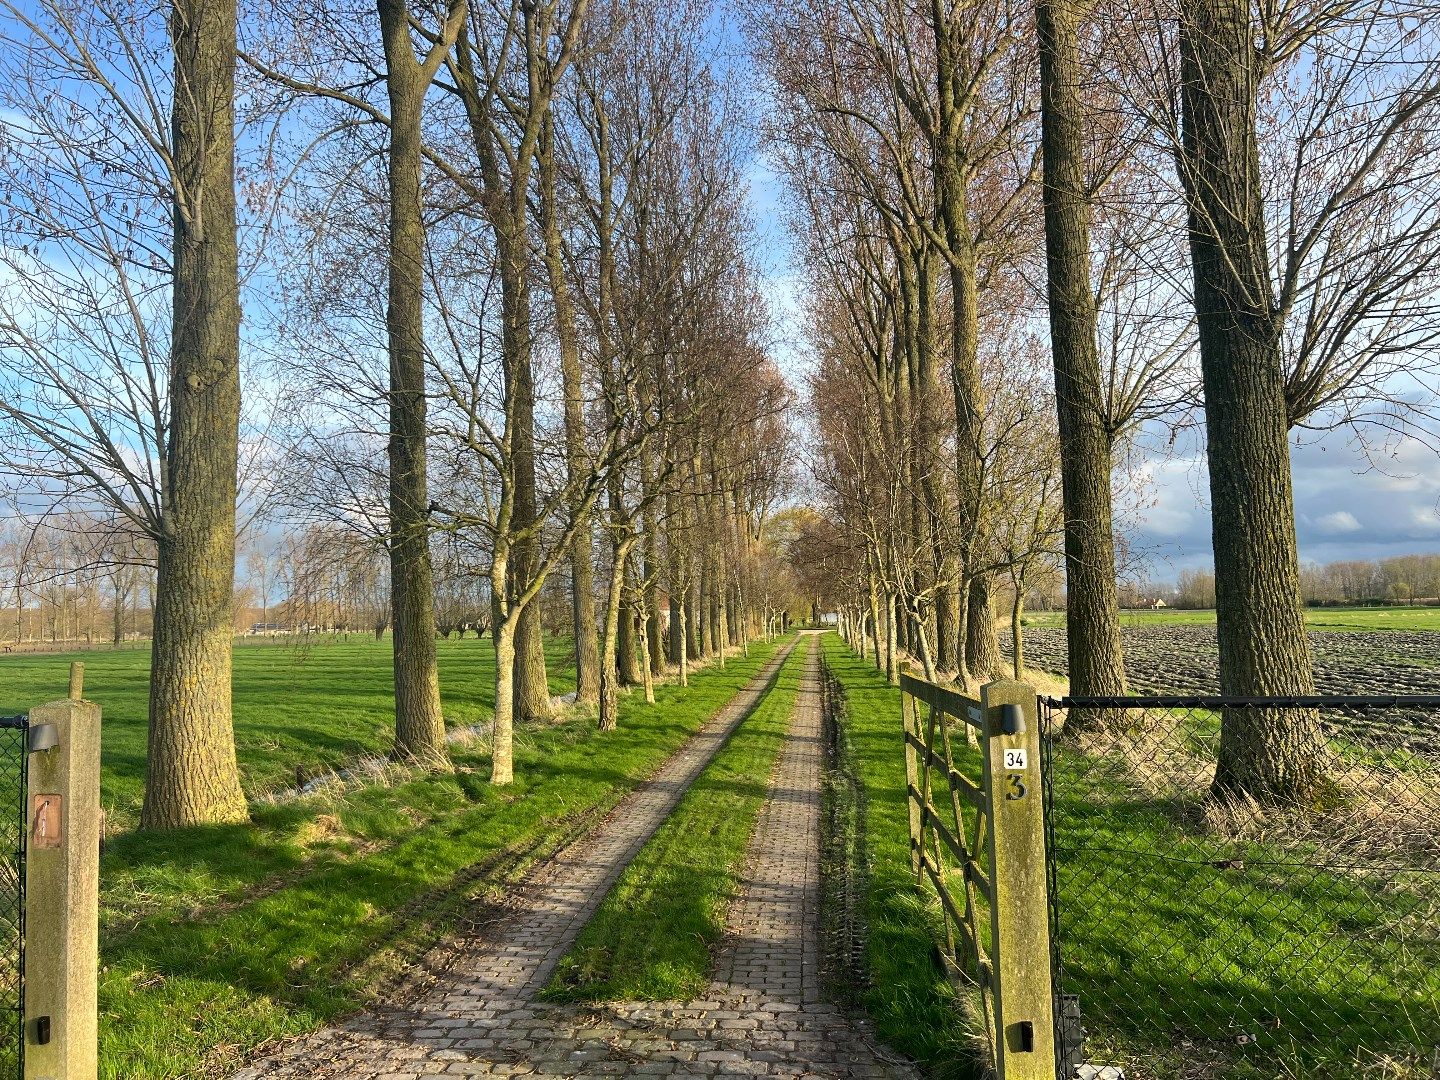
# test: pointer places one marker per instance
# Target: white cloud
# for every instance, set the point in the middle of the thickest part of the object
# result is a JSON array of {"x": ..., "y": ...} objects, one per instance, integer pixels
[
  {"x": 1425, "y": 519},
  {"x": 1341, "y": 521}
]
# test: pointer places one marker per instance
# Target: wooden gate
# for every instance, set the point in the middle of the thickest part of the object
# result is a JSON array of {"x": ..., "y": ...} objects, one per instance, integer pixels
[{"x": 982, "y": 851}]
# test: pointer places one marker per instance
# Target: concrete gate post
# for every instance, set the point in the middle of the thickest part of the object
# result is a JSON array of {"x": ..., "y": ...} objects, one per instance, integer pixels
[{"x": 62, "y": 888}]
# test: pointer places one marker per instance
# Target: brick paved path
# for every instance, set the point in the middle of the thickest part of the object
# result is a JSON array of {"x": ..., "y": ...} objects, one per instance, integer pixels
[{"x": 763, "y": 1016}]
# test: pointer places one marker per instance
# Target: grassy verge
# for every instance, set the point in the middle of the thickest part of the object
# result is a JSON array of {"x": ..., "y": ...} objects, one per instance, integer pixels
[
  {"x": 1271, "y": 953},
  {"x": 913, "y": 1005},
  {"x": 216, "y": 940},
  {"x": 310, "y": 708},
  {"x": 1209, "y": 941},
  {"x": 652, "y": 937}
]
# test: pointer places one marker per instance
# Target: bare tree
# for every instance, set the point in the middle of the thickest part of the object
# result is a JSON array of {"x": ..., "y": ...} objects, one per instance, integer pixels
[
  {"x": 122, "y": 219},
  {"x": 419, "y": 722}
]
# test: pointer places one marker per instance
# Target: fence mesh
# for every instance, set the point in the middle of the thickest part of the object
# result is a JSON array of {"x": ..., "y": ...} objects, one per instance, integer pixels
[
  {"x": 1206, "y": 933},
  {"x": 13, "y": 819}
]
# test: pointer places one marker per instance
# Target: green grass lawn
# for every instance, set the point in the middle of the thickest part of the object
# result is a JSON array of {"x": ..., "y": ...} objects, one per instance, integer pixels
[
  {"x": 914, "y": 1006},
  {"x": 1398, "y": 617},
  {"x": 215, "y": 940},
  {"x": 309, "y": 709},
  {"x": 1193, "y": 953},
  {"x": 1261, "y": 958},
  {"x": 652, "y": 937}
]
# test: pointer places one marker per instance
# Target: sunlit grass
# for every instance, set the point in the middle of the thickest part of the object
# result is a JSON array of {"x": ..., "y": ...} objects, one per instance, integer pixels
[
  {"x": 297, "y": 710},
  {"x": 216, "y": 940},
  {"x": 652, "y": 938}
]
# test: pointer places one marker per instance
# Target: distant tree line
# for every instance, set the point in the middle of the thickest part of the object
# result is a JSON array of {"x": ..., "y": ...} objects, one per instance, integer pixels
[{"x": 1400, "y": 579}]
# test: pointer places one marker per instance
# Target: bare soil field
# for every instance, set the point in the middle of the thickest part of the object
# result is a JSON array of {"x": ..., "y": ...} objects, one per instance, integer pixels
[{"x": 1183, "y": 660}]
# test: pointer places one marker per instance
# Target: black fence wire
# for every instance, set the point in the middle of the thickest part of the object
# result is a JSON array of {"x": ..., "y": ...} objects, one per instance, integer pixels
[{"x": 1201, "y": 932}]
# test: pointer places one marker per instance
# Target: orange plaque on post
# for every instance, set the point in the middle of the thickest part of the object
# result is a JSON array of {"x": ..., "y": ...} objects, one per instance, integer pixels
[{"x": 47, "y": 821}]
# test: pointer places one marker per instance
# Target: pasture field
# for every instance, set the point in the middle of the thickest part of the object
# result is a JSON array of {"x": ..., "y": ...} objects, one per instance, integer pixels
[
  {"x": 217, "y": 940},
  {"x": 303, "y": 707},
  {"x": 1358, "y": 619}
]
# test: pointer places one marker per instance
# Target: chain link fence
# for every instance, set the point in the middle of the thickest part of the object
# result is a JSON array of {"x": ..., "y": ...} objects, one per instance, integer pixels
[
  {"x": 13, "y": 821},
  {"x": 1200, "y": 933}
]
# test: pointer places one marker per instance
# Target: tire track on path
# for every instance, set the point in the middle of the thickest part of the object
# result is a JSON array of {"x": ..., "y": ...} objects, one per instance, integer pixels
[{"x": 764, "y": 1016}]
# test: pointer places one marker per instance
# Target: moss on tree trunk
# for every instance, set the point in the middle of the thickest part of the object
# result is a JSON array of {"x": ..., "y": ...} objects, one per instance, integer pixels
[
  {"x": 192, "y": 777},
  {"x": 1271, "y": 755}
]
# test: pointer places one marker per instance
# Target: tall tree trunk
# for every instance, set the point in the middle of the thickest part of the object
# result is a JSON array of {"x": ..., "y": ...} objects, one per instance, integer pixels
[
  {"x": 582, "y": 570},
  {"x": 615, "y": 612},
  {"x": 646, "y": 673},
  {"x": 676, "y": 577},
  {"x": 118, "y": 619},
  {"x": 922, "y": 649},
  {"x": 626, "y": 661},
  {"x": 692, "y": 631},
  {"x": 982, "y": 650},
  {"x": 953, "y": 203},
  {"x": 419, "y": 722},
  {"x": 677, "y": 635},
  {"x": 1017, "y": 633},
  {"x": 626, "y": 669},
  {"x": 532, "y": 689},
  {"x": 1268, "y": 754},
  {"x": 876, "y": 628},
  {"x": 1091, "y": 600},
  {"x": 192, "y": 777},
  {"x": 945, "y": 636},
  {"x": 702, "y": 608},
  {"x": 722, "y": 629},
  {"x": 892, "y": 662},
  {"x": 649, "y": 567},
  {"x": 502, "y": 743}
]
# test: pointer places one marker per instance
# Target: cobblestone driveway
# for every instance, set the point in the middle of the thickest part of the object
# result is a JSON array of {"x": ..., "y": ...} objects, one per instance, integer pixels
[{"x": 762, "y": 1017}]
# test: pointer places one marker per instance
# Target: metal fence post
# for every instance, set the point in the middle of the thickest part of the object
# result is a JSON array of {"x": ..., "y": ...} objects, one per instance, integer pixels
[
  {"x": 62, "y": 885},
  {"x": 1020, "y": 913}
]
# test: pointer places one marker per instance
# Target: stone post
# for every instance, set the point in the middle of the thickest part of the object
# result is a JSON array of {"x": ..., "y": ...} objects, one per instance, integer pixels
[{"x": 62, "y": 889}]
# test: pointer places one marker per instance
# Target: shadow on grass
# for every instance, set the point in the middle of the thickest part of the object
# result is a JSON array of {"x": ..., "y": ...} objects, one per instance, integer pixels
[
  {"x": 914, "y": 1006},
  {"x": 217, "y": 939},
  {"x": 1271, "y": 955}
]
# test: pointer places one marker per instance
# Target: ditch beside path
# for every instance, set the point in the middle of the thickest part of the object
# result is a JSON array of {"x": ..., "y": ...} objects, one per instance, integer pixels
[{"x": 762, "y": 1017}]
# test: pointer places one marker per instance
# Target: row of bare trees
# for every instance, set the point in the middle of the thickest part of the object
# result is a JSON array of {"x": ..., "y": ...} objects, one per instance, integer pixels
[
  {"x": 500, "y": 315},
  {"x": 72, "y": 578},
  {"x": 1220, "y": 208}
]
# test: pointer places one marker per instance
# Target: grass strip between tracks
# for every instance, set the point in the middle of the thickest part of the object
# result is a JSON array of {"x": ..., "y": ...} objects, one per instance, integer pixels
[{"x": 653, "y": 936}]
